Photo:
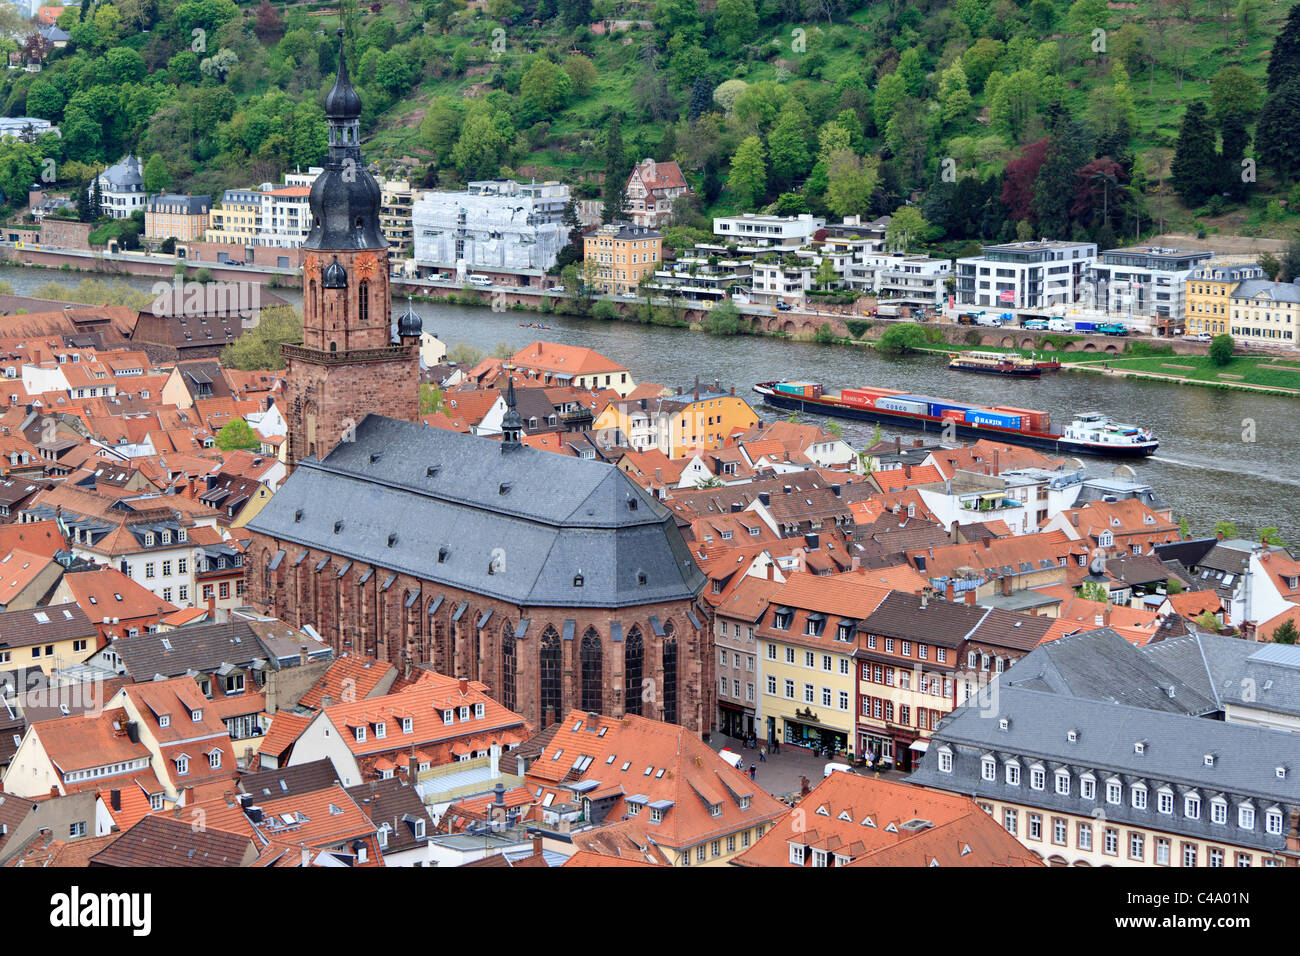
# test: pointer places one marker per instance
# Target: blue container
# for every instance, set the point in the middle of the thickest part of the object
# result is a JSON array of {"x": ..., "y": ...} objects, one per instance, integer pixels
[
  {"x": 1085, "y": 326},
  {"x": 938, "y": 408},
  {"x": 993, "y": 418}
]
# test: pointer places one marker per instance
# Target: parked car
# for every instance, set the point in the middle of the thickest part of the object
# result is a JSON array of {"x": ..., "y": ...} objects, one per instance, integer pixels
[
  {"x": 1035, "y": 325},
  {"x": 628, "y": 295},
  {"x": 784, "y": 306},
  {"x": 1201, "y": 337},
  {"x": 989, "y": 320},
  {"x": 557, "y": 288},
  {"x": 1059, "y": 325}
]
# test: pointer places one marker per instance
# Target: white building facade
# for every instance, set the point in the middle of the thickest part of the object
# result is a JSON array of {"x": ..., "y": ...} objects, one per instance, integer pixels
[
  {"x": 1025, "y": 275},
  {"x": 494, "y": 224}
]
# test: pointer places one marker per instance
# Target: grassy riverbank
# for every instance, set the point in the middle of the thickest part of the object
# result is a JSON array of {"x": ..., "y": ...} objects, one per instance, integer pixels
[{"x": 1263, "y": 373}]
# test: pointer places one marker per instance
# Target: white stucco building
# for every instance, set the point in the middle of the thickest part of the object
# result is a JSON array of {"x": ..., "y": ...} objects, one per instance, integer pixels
[{"x": 493, "y": 224}]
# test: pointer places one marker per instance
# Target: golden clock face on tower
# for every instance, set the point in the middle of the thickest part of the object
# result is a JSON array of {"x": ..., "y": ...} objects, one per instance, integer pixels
[
  {"x": 311, "y": 267},
  {"x": 366, "y": 266}
]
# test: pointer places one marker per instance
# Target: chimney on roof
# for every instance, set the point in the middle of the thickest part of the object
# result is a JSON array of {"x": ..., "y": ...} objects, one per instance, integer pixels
[
  {"x": 811, "y": 540},
  {"x": 326, "y": 701},
  {"x": 988, "y": 544},
  {"x": 302, "y": 654},
  {"x": 1074, "y": 519},
  {"x": 855, "y": 563},
  {"x": 1105, "y": 616},
  {"x": 464, "y": 687},
  {"x": 659, "y": 474},
  {"x": 537, "y": 844},
  {"x": 898, "y": 444},
  {"x": 949, "y": 592},
  {"x": 1006, "y": 585},
  {"x": 918, "y": 442},
  {"x": 115, "y": 800},
  {"x": 306, "y": 856},
  {"x": 771, "y": 571},
  {"x": 925, "y": 597},
  {"x": 907, "y": 472}
]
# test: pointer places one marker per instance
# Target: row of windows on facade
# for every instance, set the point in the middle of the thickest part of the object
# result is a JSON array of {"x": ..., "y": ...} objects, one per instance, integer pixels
[
  {"x": 1111, "y": 838},
  {"x": 809, "y": 693},
  {"x": 879, "y": 708},
  {"x": 78, "y": 646},
  {"x": 1138, "y": 792},
  {"x": 408, "y": 725},
  {"x": 714, "y": 847}
]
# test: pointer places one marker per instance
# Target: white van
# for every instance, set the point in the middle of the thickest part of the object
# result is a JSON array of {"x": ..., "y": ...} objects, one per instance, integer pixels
[
  {"x": 832, "y": 767},
  {"x": 992, "y": 320},
  {"x": 480, "y": 280},
  {"x": 1059, "y": 325}
]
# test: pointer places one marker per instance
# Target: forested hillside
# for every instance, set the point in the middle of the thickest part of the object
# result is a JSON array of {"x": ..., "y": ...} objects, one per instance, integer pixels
[{"x": 994, "y": 118}]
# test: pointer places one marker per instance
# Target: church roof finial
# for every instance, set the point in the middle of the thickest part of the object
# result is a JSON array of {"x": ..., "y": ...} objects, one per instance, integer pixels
[{"x": 342, "y": 101}]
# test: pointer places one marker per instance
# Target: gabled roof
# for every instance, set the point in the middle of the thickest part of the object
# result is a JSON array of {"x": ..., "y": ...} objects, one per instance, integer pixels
[{"x": 165, "y": 841}]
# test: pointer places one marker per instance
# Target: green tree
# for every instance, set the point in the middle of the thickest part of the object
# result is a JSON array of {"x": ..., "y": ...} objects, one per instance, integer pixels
[
  {"x": 1226, "y": 528},
  {"x": 1277, "y": 134},
  {"x": 1234, "y": 92},
  {"x": 1014, "y": 104},
  {"x": 826, "y": 275},
  {"x": 724, "y": 319},
  {"x": 850, "y": 182},
  {"x": 787, "y": 145},
  {"x": 902, "y": 338},
  {"x": 575, "y": 13},
  {"x": 736, "y": 22},
  {"x": 1221, "y": 349},
  {"x": 906, "y": 226},
  {"x": 259, "y": 347},
  {"x": 582, "y": 74},
  {"x": 1284, "y": 60},
  {"x": 1184, "y": 529},
  {"x": 1269, "y": 535},
  {"x": 157, "y": 178},
  {"x": 237, "y": 434},
  {"x": 463, "y": 354},
  {"x": 890, "y": 91},
  {"x": 1285, "y": 633},
  {"x": 1088, "y": 15},
  {"x": 544, "y": 88},
  {"x": 1173, "y": 586},
  {"x": 954, "y": 93},
  {"x": 1094, "y": 591},
  {"x": 479, "y": 149},
  {"x": 1195, "y": 168},
  {"x": 748, "y": 179}
]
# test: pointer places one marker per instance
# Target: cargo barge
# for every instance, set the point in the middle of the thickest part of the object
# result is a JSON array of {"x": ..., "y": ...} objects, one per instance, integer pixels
[{"x": 1090, "y": 433}]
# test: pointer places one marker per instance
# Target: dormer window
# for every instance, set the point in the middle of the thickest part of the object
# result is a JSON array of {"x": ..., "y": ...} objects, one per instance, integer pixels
[
  {"x": 479, "y": 710},
  {"x": 148, "y": 539},
  {"x": 214, "y": 760},
  {"x": 408, "y": 725},
  {"x": 449, "y": 716},
  {"x": 182, "y": 765},
  {"x": 196, "y": 716},
  {"x": 166, "y": 537},
  {"x": 464, "y": 713},
  {"x": 381, "y": 729},
  {"x": 164, "y": 720},
  {"x": 1209, "y": 760},
  {"x": 361, "y": 735}
]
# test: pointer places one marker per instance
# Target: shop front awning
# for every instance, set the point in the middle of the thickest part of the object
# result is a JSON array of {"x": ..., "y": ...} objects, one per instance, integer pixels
[{"x": 920, "y": 746}]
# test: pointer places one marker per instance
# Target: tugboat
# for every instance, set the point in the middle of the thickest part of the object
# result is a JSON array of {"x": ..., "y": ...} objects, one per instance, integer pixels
[
  {"x": 995, "y": 363},
  {"x": 1090, "y": 433}
]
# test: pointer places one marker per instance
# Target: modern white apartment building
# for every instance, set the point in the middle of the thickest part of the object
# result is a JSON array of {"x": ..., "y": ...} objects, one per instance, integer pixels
[
  {"x": 493, "y": 224},
  {"x": 396, "y": 199},
  {"x": 902, "y": 277},
  {"x": 780, "y": 278},
  {"x": 1142, "y": 282},
  {"x": 277, "y": 217},
  {"x": 1025, "y": 275},
  {"x": 752, "y": 231}
]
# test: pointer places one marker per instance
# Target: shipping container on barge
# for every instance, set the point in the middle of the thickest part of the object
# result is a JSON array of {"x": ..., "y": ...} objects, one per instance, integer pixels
[{"x": 1090, "y": 433}]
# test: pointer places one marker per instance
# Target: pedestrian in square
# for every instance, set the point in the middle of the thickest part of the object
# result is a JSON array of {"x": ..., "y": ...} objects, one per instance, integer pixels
[
  {"x": 752, "y": 770},
  {"x": 762, "y": 754}
]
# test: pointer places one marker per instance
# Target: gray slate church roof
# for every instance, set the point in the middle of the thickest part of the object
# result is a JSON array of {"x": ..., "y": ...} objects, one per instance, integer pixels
[{"x": 438, "y": 505}]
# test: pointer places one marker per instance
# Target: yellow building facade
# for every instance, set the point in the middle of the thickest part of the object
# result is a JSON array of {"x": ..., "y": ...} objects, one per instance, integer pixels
[
  {"x": 622, "y": 254},
  {"x": 1208, "y": 295}
]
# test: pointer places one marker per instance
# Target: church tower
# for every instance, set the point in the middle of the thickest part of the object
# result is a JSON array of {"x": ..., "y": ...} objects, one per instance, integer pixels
[{"x": 352, "y": 360}]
